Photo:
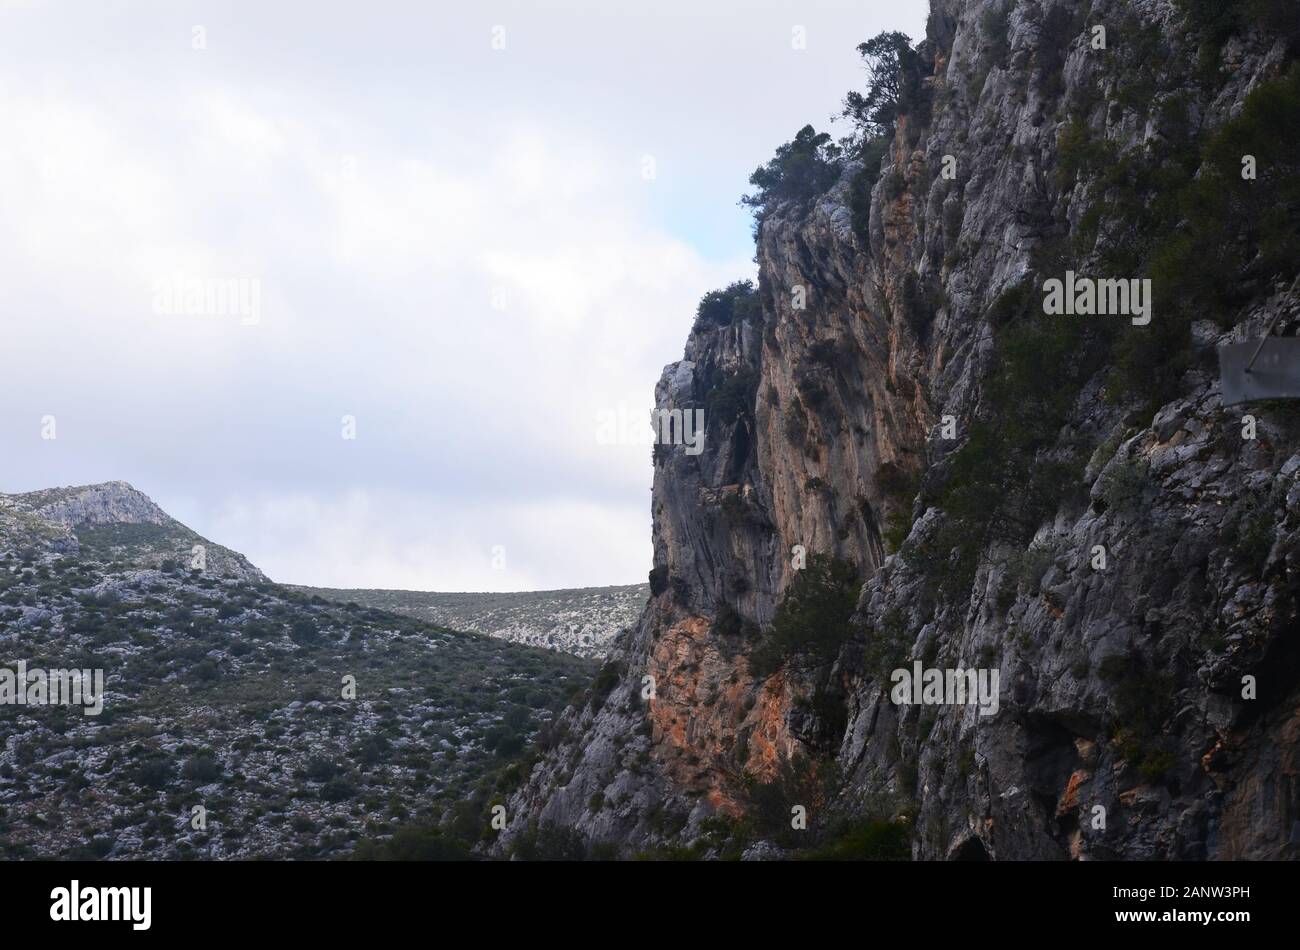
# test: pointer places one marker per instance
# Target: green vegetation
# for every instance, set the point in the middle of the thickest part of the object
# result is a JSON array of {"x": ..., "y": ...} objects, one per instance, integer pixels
[
  {"x": 215, "y": 687},
  {"x": 995, "y": 28},
  {"x": 871, "y": 154},
  {"x": 1206, "y": 236},
  {"x": 1078, "y": 153},
  {"x": 414, "y": 843},
  {"x": 737, "y": 302},
  {"x": 802, "y": 169},
  {"x": 1252, "y": 529},
  {"x": 872, "y": 839},
  {"x": 830, "y": 834},
  {"x": 581, "y": 621},
  {"x": 799, "y": 780},
  {"x": 898, "y": 525},
  {"x": 808, "y": 165},
  {"x": 898, "y": 486},
  {"x": 888, "y": 645},
  {"x": 893, "y": 85},
  {"x": 608, "y": 678},
  {"x": 813, "y": 619},
  {"x": 1218, "y": 20},
  {"x": 1124, "y": 485},
  {"x": 1058, "y": 26},
  {"x": 731, "y": 399},
  {"x": 1144, "y": 701},
  {"x": 550, "y": 842},
  {"x": 1009, "y": 474}
]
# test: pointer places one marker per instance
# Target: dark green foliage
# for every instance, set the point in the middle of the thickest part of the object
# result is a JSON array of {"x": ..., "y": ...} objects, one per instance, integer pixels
[
  {"x": 509, "y": 746},
  {"x": 918, "y": 305},
  {"x": 1144, "y": 701},
  {"x": 304, "y": 630},
  {"x": 605, "y": 682},
  {"x": 801, "y": 170},
  {"x": 371, "y": 750},
  {"x": 876, "y": 839},
  {"x": 205, "y": 671},
  {"x": 995, "y": 26},
  {"x": 1079, "y": 153},
  {"x": 837, "y": 353},
  {"x": 337, "y": 790},
  {"x": 1124, "y": 486},
  {"x": 881, "y": 834},
  {"x": 1222, "y": 204},
  {"x": 1058, "y": 26},
  {"x": 895, "y": 481},
  {"x": 895, "y": 183},
  {"x": 201, "y": 769},
  {"x": 732, "y": 399},
  {"x": 736, "y": 302},
  {"x": 169, "y": 689},
  {"x": 832, "y": 713},
  {"x": 155, "y": 773},
  {"x": 807, "y": 166},
  {"x": 414, "y": 843},
  {"x": 1013, "y": 303},
  {"x": 898, "y": 485},
  {"x": 550, "y": 842},
  {"x": 812, "y": 621},
  {"x": 734, "y": 509},
  {"x": 1002, "y": 482},
  {"x": 519, "y": 720},
  {"x": 798, "y": 780},
  {"x": 320, "y": 769},
  {"x": 893, "y": 75},
  {"x": 727, "y": 622},
  {"x": 1217, "y": 20},
  {"x": 872, "y": 153},
  {"x": 1208, "y": 238},
  {"x": 898, "y": 525},
  {"x": 888, "y": 644},
  {"x": 1253, "y": 532}
]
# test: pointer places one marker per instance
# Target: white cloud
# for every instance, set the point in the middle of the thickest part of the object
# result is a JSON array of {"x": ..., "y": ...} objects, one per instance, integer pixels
[{"x": 381, "y": 191}]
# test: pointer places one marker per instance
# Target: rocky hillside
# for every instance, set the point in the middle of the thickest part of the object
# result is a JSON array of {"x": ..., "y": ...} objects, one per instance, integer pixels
[
  {"x": 1061, "y": 499},
  {"x": 114, "y": 524},
  {"x": 300, "y": 727},
  {"x": 583, "y": 621}
]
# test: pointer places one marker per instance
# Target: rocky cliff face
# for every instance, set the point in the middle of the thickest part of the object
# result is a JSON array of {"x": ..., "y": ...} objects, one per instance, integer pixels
[{"x": 891, "y": 345}]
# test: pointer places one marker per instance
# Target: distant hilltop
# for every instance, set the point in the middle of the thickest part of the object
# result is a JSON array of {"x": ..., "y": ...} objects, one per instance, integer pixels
[
  {"x": 113, "y": 522},
  {"x": 582, "y": 621}
]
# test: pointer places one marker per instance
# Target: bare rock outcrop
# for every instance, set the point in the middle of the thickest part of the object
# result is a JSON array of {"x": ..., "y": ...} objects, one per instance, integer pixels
[{"x": 1127, "y": 725}]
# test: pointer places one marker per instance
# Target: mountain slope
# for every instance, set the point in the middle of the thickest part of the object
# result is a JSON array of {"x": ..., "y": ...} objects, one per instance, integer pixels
[
  {"x": 114, "y": 523},
  {"x": 298, "y": 725},
  {"x": 582, "y": 621},
  {"x": 923, "y": 420}
]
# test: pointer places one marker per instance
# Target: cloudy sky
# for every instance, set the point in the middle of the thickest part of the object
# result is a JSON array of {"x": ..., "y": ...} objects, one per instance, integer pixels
[{"x": 469, "y": 227}]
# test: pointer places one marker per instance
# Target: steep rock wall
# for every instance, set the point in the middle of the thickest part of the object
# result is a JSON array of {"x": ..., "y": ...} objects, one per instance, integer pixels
[{"x": 1120, "y": 687}]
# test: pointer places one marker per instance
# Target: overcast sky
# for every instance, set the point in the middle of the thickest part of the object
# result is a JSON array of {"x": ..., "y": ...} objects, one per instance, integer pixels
[{"x": 472, "y": 227}]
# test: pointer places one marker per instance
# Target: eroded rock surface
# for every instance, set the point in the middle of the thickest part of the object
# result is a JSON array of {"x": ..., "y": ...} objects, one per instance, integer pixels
[{"x": 1121, "y": 686}]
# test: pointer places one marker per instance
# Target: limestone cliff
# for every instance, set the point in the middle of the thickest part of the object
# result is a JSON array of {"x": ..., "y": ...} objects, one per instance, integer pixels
[{"x": 890, "y": 344}]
